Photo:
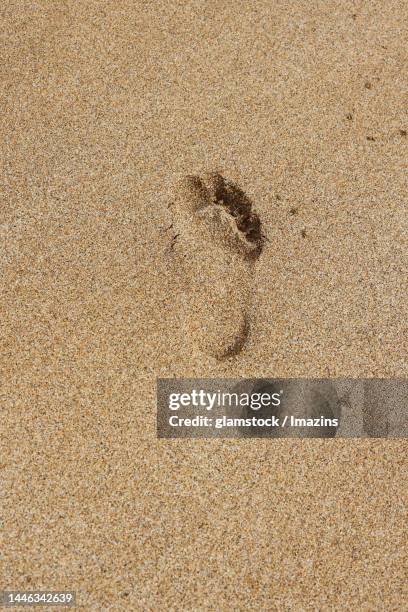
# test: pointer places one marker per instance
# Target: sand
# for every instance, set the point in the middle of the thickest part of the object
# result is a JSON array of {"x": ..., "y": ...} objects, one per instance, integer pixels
[{"x": 105, "y": 106}]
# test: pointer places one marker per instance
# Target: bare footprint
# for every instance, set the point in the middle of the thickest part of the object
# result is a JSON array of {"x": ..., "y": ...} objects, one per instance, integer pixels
[{"x": 220, "y": 238}]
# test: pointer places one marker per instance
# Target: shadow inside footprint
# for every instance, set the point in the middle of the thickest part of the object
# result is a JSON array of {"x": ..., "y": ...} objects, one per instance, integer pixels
[{"x": 229, "y": 195}]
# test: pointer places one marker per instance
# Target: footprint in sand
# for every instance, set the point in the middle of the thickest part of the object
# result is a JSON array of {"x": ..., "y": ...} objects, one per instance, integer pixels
[{"x": 220, "y": 237}]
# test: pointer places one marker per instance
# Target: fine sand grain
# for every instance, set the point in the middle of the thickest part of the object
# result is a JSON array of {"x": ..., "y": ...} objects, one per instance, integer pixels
[{"x": 105, "y": 107}]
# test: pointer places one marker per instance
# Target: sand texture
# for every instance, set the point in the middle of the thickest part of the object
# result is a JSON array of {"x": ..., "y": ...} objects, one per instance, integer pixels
[{"x": 106, "y": 109}]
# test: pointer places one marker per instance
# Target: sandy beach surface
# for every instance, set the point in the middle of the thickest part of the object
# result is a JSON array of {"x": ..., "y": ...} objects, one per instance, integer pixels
[{"x": 104, "y": 107}]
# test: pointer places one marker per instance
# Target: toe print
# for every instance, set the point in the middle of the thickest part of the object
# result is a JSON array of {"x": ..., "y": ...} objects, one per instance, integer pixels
[
  {"x": 220, "y": 210},
  {"x": 238, "y": 206}
]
